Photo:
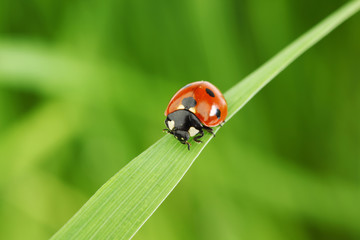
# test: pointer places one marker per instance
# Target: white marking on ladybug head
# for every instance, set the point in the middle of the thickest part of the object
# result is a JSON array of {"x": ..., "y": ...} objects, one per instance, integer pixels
[
  {"x": 192, "y": 110},
  {"x": 213, "y": 110},
  {"x": 180, "y": 107},
  {"x": 171, "y": 124},
  {"x": 193, "y": 131}
]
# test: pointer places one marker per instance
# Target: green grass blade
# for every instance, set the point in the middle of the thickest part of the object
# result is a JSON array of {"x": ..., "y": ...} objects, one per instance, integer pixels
[{"x": 124, "y": 203}]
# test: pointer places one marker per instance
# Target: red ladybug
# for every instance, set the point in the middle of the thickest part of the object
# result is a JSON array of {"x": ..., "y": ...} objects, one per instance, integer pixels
[{"x": 196, "y": 107}]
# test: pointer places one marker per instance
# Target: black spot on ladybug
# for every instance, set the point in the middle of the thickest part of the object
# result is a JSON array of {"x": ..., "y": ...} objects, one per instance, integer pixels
[
  {"x": 218, "y": 113},
  {"x": 188, "y": 102},
  {"x": 211, "y": 93}
]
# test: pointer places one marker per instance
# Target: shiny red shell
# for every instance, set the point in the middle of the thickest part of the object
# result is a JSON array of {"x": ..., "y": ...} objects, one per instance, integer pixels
[{"x": 210, "y": 108}]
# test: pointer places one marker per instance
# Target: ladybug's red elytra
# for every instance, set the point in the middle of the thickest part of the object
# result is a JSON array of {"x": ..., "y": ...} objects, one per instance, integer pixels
[{"x": 196, "y": 107}]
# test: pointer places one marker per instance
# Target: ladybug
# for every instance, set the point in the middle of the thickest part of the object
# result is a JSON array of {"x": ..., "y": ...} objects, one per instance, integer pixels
[{"x": 196, "y": 107}]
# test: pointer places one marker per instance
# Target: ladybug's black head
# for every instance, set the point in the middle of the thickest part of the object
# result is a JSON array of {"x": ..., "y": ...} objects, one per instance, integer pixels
[
  {"x": 181, "y": 135},
  {"x": 183, "y": 124}
]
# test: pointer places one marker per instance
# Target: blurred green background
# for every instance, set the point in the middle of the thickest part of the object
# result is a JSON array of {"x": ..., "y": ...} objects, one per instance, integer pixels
[{"x": 84, "y": 86}]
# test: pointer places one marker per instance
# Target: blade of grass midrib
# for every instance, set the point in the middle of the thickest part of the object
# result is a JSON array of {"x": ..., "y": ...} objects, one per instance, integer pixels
[{"x": 168, "y": 161}]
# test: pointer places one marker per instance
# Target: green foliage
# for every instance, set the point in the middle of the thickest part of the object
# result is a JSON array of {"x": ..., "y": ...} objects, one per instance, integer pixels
[
  {"x": 129, "y": 198},
  {"x": 83, "y": 86}
]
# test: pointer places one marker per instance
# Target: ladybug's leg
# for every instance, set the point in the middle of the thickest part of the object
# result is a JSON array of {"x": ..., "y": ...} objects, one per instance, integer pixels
[
  {"x": 188, "y": 145},
  {"x": 167, "y": 130},
  {"x": 222, "y": 124},
  {"x": 209, "y": 130},
  {"x": 199, "y": 135}
]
